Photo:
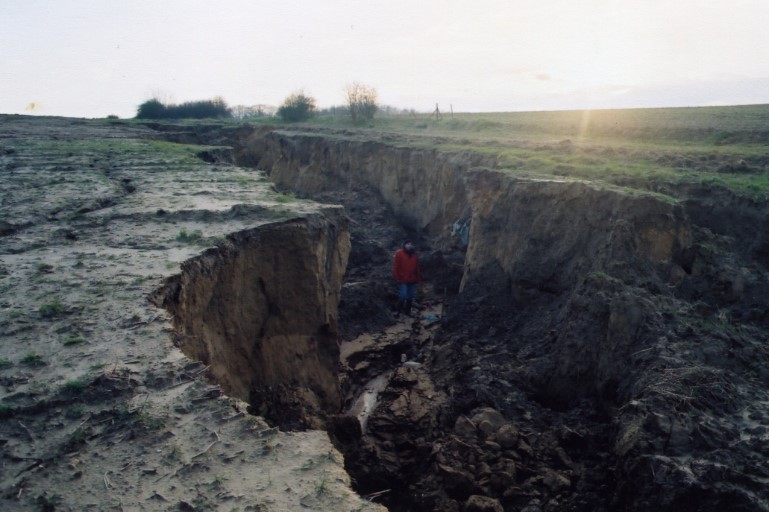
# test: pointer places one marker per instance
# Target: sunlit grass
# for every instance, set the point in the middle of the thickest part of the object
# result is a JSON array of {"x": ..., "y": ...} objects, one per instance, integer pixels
[
  {"x": 718, "y": 146},
  {"x": 640, "y": 148}
]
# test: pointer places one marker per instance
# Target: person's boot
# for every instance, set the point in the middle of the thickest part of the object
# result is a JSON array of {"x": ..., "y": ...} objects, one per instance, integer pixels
[
  {"x": 399, "y": 308},
  {"x": 407, "y": 307}
]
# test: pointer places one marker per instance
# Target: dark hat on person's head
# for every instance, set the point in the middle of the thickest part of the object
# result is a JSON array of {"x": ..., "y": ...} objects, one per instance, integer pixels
[{"x": 407, "y": 241}]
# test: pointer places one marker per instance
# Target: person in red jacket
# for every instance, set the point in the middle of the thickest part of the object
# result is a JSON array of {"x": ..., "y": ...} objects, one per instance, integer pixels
[{"x": 406, "y": 274}]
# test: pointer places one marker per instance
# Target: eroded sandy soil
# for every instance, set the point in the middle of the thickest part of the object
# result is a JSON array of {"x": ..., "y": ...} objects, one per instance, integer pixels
[{"x": 99, "y": 411}]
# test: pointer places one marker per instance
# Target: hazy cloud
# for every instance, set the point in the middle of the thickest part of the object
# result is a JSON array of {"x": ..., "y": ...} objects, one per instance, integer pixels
[{"x": 94, "y": 58}]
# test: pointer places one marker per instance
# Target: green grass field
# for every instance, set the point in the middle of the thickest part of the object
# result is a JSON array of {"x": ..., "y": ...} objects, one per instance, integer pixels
[
  {"x": 649, "y": 149},
  {"x": 726, "y": 146}
]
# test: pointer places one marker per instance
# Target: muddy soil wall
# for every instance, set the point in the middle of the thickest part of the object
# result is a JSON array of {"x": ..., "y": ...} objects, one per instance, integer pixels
[
  {"x": 261, "y": 310},
  {"x": 424, "y": 188},
  {"x": 549, "y": 233}
]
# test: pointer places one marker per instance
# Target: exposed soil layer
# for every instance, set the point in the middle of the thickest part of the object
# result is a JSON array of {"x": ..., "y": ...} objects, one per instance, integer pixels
[
  {"x": 605, "y": 350},
  {"x": 261, "y": 311}
]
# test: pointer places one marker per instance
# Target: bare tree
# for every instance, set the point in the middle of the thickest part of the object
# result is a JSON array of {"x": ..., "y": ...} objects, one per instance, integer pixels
[{"x": 361, "y": 100}]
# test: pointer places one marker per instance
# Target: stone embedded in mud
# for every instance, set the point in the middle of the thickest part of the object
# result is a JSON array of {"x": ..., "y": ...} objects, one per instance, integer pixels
[
  {"x": 464, "y": 427},
  {"x": 458, "y": 483},
  {"x": 506, "y": 436},
  {"x": 488, "y": 420},
  {"x": 503, "y": 476},
  {"x": 525, "y": 448},
  {"x": 555, "y": 481},
  {"x": 486, "y": 427},
  {"x": 478, "y": 503},
  {"x": 533, "y": 506}
]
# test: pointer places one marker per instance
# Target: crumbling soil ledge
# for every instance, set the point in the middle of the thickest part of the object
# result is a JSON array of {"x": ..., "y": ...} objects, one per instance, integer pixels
[{"x": 261, "y": 312}]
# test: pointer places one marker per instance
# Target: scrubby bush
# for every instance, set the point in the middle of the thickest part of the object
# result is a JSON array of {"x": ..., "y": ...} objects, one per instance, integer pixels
[
  {"x": 189, "y": 236},
  {"x": 297, "y": 107},
  {"x": 361, "y": 101},
  {"x": 152, "y": 109},
  {"x": 51, "y": 309},
  {"x": 204, "y": 109}
]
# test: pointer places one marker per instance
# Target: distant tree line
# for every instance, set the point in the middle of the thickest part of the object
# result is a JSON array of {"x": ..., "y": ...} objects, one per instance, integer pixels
[
  {"x": 382, "y": 110},
  {"x": 253, "y": 111},
  {"x": 361, "y": 106},
  {"x": 204, "y": 109}
]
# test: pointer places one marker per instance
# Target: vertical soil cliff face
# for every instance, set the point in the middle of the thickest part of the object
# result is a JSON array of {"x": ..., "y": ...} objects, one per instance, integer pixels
[
  {"x": 553, "y": 232},
  {"x": 538, "y": 240},
  {"x": 424, "y": 188},
  {"x": 261, "y": 311}
]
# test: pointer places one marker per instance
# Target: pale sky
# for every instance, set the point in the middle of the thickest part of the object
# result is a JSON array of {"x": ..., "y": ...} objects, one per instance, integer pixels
[{"x": 92, "y": 58}]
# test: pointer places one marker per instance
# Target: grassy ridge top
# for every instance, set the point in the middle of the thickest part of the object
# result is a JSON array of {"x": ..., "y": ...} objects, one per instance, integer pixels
[
  {"x": 705, "y": 125},
  {"x": 741, "y": 124},
  {"x": 692, "y": 125},
  {"x": 650, "y": 149}
]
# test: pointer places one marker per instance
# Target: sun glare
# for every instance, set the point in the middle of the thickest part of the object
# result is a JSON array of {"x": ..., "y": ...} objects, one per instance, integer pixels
[{"x": 584, "y": 122}]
